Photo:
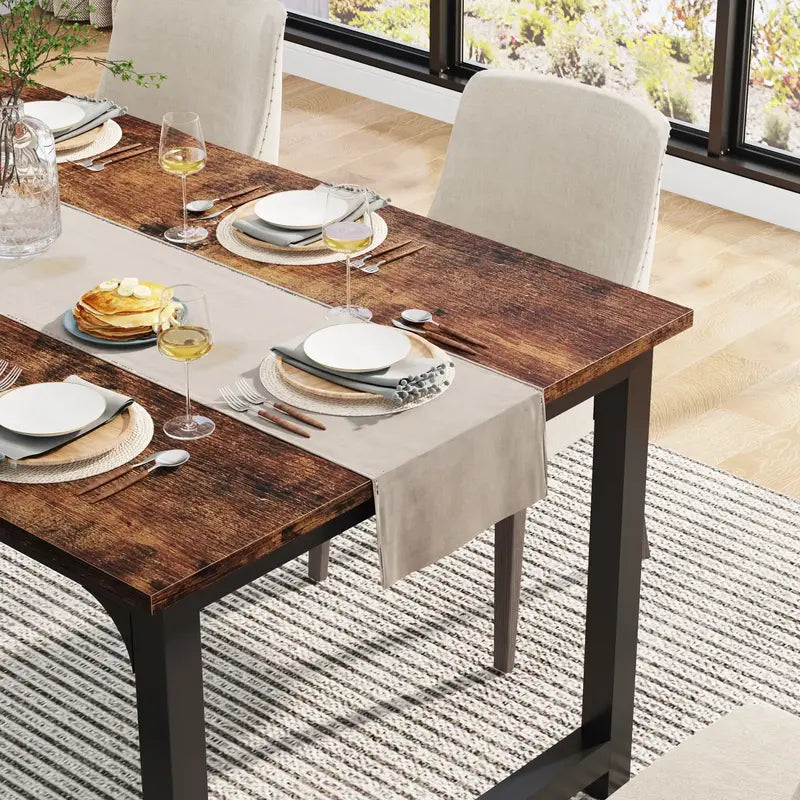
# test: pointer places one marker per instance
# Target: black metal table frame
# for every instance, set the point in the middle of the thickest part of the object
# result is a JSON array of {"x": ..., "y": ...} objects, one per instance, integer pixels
[{"x": 165, "y": 648}]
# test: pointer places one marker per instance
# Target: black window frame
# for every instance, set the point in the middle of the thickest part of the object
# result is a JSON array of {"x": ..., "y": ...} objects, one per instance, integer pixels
[{"x": 723, "y": 147}]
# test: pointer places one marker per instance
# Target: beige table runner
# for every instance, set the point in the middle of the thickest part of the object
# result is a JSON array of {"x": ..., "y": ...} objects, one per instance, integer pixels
[{"x": 441, "y": 473}]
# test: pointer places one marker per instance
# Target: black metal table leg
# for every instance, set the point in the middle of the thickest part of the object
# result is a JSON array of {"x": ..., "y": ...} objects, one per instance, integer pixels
[
  {"x": 169, "y": 696},
  {"x": 622, "y": 417}
]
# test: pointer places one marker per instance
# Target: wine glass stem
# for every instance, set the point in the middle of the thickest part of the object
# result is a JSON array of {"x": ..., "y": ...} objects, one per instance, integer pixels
[
  {"x": 347, "y": 263},
  {"x": 183, "y": 205},
  {"x": 189, "y": 420}
]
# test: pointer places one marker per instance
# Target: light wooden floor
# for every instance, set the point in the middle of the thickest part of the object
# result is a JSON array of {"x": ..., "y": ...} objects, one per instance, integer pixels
[{"x": 727, "y": 393}]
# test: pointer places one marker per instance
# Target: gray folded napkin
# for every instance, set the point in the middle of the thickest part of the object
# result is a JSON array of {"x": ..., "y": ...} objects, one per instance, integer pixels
[
  {"x": 282, "y": 237},
  {"x": 409, "y": 379},
  {"x": 17, "y": 447},
  {"x": 96, "y": 112}
]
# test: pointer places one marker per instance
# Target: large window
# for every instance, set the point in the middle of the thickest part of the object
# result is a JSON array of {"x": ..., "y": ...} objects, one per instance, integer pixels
[
  {"x": 773, "y": 97},
  {"x": 406, "y": 21},
  {"x": 662, "y": 51},
  {"x": 725, "y": 72}
]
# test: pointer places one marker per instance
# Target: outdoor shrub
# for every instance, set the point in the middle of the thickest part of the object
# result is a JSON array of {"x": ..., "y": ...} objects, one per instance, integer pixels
[
  {"x": 653, "y": 54},
  {"x": 776, "y": 129},
  {"x": 691, "y": 14},
  {"x": 569, "y": 10},
  {"x": 701, "y": 56},
  {"x": 564, "y": 49},
  {"x": 481, "y": 51},
  {"x": 347, "y": 10},
  {"x": 535, "y": 26},
  {"x": 593, "y": 70},
  {"x": 680, "y": 47},
  {"x": 673, "y": 100},
  {"x": 776, "y": 49},
  {"x": 406, "y": 23}
]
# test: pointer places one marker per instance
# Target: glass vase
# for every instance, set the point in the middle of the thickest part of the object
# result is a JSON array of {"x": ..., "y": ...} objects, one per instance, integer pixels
[{"x": 30, "y": 212}]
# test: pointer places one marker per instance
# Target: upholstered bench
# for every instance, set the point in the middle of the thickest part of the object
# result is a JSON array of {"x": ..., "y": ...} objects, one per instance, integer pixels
[{"x": 751, "y": 754}]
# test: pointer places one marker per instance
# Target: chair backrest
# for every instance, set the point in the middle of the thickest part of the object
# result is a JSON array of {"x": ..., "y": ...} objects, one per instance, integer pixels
[
  {"x": 222, "y": 60},
  {"x": 556, "y": 168}
]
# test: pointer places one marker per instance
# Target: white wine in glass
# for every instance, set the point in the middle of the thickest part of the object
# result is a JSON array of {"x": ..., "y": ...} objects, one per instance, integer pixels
[
  {"x": 185, "y": 335},
  {"x": 349, "y": 235},
  {"x": 182, "y": 152}
]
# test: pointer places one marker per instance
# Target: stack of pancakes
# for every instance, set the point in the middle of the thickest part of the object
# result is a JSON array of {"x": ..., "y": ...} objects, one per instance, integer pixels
[{"x": 110, "y": 315}]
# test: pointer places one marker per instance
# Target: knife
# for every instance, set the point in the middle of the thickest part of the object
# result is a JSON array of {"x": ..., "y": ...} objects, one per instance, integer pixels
[
  {"x": 446, "y": 341},
  {"x": 375, "y": 265}
]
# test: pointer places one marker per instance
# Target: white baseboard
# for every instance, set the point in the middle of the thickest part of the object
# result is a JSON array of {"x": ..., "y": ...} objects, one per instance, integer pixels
[{"x": 687, "y": 178}]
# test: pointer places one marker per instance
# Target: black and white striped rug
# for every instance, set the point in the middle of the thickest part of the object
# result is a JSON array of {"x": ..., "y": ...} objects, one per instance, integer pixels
[{"x": 345, "y": 691}]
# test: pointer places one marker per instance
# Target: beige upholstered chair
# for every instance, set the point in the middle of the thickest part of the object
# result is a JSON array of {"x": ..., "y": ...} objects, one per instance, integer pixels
[
  {"x": 223, "y": 61},
  {"x": 751, "y": 754},
  {"x": 561, "y": 170},
  {"x": 570, "y": 173}
]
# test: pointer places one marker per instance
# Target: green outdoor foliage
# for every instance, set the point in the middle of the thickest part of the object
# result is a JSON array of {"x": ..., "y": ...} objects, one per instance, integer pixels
[
  {"x": 480, "y": 51},
  {"x": 32, "y": 41},
  {"x": 776, "y": 129},
  {"x": 593, "y": 70},
  {"x": 403, "y": 23},
  {"x": 564, "y": 48},
  {"x": 701, "y": 56},
  {"x": 680, "y": 46},
  {"x": 776, "y": 51},
  {"x": 535, "y": 26},
  {"x": 346, "y": 11},
  {"x": 666, "y": 88},
  {"x": 568, "y": 10}
]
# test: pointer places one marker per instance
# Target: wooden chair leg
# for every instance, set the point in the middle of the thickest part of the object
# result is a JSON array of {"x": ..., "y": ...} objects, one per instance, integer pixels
[
  {"x": 318, "y": 562},
  {"x": 509, "y": 536}
]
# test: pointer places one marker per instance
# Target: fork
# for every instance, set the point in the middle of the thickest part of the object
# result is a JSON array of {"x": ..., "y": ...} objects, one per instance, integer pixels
[
  {"x": 8, "y": 379},
  {"x": 237, "y": 404},
  {"x": 258, "y": 399}
]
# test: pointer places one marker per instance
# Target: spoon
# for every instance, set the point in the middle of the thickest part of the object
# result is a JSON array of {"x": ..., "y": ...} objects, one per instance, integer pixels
[
  {"x": 169, "y": 459},
  {"x": 421, "y": 317},
  {"x": 199, "y": 206},
  {"x": 163, "y": 458}
]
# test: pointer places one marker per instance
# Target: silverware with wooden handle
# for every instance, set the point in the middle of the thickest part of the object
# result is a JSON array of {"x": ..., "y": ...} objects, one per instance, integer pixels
[
  {"x": 373, "y": 267},
  {"x": 240, "y": 192},
  {"x": 445, "y": 341},
  {"x": 124, "y": 157},
  {"x": 282, "y": 423},
  {"x": 293, "y": 412},
  {"x": 87, "y": 162},
  {"x": 163, "y": 459},
  {"x": 242, "y": 405},
  {"x": 107, "y": 477},
  {"x": 441, "y": 327},
  {"x": 231, "y": 206},
  {"x": 123, "y": 484},
  {"x": 255, "y": 397}
]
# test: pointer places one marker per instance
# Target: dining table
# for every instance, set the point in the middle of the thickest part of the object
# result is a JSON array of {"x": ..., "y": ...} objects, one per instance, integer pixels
[{"x": 249, "y": 502}]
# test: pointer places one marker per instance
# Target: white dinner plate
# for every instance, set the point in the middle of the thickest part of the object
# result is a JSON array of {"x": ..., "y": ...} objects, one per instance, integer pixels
[
  {"x": 50, "y": 409},
  {"x": 56, "y": 115},
  {"x": 357, "y": 347},
  {"x": 300, "y": 210}
]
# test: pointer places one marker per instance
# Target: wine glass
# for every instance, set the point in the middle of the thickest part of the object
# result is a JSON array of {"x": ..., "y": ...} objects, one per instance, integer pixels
[
  {"x": 184, "y": 334},
  {"x": 183, "y": 152},
  {"x": 348, "y": 230}
]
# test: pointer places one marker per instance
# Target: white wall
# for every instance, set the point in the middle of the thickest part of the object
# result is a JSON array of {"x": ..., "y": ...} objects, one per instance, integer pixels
[{"x": 683, "y": 177}]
